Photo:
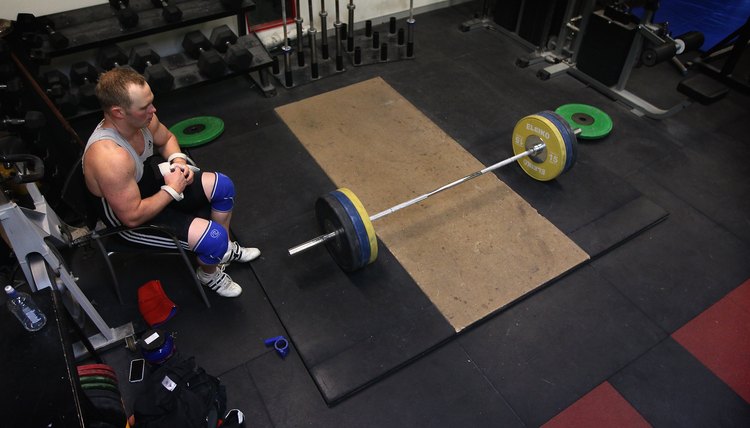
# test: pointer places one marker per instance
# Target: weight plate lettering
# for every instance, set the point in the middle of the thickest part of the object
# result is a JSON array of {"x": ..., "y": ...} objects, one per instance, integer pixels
[
  {"x": 535, "y": 129},
  {"x": 571, "y": 145}
]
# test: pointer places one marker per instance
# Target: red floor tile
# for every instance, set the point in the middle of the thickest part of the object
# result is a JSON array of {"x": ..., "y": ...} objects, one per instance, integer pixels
[
  {"x": 720, "y": 339},
  {"x": 741, "y": 295},
  {"x": 602, "y": 407}
]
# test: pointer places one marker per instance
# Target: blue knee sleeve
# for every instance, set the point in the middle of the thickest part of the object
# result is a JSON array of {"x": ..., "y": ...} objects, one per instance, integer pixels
[
  {"x": 222, "y": 196},
  {"x": 213, "y": 244}
]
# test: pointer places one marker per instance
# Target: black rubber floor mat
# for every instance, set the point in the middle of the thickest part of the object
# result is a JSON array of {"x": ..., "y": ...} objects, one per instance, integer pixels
[{"x": 349, "y": 329}]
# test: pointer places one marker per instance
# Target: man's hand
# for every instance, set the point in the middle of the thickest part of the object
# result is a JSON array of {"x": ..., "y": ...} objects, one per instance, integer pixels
[
  {"x": 179, "y": 164},
  {"x": 177, "y": 179}
]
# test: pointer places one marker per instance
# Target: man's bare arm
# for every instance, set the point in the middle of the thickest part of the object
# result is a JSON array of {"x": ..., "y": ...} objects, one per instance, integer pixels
[
  {"x": 113, "y": 171},
  {"x": 166, "y": 143}
]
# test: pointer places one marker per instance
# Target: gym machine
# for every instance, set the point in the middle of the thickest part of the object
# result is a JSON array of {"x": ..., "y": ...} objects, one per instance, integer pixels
[
  {"x": 33, "y": 233},
  {"x": 613, "y": 43},
  {"x": 601, "y": 48},
  {"x": 732, "y": 47}
]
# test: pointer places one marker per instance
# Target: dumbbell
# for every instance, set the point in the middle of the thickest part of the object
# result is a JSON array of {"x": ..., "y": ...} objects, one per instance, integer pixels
[
  {"x": 224, "y": 40},
  {"x": 198, "y": 46},
  {"x": 11, "y": 86},
  {"x": 57, "y": 87},
  {"x": 111, "y": 56},
  {"x": 127, "y": 17},
  {"x": 146, "y": 62},
  {"x": 169, "y": 12},
  {"x": 56, "y": 83},
  {"x": 57, "y": 40},
  {"x": 84, "y": 75},
  {"x": 32, "y": 120},
  {"x": 7, "y": 69},
  {"x": 34, "y": 31},
  {"x": 10, "y": 94},
  {"x": 26, "y": 27}
]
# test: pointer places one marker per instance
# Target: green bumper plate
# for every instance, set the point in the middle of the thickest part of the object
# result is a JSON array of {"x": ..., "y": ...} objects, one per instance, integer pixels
[
  {"x": 197, "y": 131},
  {"x": 592, "y": 122}
]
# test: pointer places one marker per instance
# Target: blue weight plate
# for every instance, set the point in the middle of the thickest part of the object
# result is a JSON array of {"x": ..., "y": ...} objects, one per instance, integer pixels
[
  {"x": 570, "y": 154},
  {"x": 344, "y": 248},
  {"x": 359, "y": 226},
  {"x": 571, "y": 134},
  {"x": 568, "y": 135}
]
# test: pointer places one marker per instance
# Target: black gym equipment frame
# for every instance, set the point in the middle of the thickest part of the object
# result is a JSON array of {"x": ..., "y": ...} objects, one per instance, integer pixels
[
  {"x": 606, "y": 60},
  {"x": 732, "y": 47}
]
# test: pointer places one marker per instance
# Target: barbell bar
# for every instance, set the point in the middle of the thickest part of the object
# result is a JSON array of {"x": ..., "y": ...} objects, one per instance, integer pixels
[{"x": 544, "y": 145}]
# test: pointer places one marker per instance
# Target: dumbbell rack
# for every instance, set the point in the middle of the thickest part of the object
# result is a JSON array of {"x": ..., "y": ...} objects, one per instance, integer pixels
[{"x": 96, "y": 26}]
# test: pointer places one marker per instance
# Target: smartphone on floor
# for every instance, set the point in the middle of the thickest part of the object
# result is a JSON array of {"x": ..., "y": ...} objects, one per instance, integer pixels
[{"x": 137, "y": 369}]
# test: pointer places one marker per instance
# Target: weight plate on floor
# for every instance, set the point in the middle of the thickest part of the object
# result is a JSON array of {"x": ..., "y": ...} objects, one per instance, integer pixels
[
  {"x": 345, "y": 247},
  {"x": 571, "y": 144},
  {"x": 108, "y": 405},
  {"x": 99, "y": 386},
  {"x": 592, "y": 122},
  {"x": 96, "y": 372},
  {"x": 359, "y": 226},
  {"x": 97, "y": 366},
  {"x": 550, "y": 162},
  {"x": 372, "y": 239},
  {"x": 97, "y": 379},
  {"x": 87, "y": 368},
  {"x": 197, "y": 131}
]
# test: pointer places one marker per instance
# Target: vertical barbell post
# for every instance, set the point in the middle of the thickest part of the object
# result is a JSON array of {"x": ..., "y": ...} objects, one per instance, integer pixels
[
  {"x": 324, "y": 30},
  {"x": 287, "y": 49}
]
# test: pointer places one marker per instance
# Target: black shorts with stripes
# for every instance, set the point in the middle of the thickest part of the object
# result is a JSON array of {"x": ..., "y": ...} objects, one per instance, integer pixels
[{"x": 176, "y": 217}]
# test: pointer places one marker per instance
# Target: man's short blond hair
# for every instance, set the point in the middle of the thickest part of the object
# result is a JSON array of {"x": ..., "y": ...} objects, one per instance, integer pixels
[{"x": 112, "y": 89}]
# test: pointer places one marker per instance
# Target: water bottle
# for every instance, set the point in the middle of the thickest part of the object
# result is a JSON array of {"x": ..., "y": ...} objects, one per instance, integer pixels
[{"x": 24, "y": 308}]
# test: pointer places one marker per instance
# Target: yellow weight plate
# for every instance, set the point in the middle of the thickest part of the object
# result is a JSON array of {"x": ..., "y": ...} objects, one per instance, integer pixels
[
  {"x": 373, "y": 239},
  {"x": 535, "y": 129}
]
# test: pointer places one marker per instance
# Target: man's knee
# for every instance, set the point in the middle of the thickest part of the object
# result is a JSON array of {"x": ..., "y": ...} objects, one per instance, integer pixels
[
  {"x": 213, "y": 244},
  {"x": 222, "y": 196}
]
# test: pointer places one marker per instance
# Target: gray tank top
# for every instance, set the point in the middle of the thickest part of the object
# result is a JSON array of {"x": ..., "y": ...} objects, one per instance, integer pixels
[{"x": 111, "y": 134}]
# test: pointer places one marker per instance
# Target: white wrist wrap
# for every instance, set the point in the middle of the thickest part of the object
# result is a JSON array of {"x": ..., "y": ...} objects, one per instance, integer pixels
[
  {"x": 174, "y": 156},
  {"x": 173, "y": 193}
]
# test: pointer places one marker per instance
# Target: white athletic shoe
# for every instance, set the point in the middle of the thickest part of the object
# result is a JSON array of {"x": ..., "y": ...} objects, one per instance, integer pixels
[
  {"x": 219, "y": 282},
  {"x": 236, "y": 253}
]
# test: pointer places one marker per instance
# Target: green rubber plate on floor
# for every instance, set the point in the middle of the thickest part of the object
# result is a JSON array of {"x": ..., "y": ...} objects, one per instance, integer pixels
[
  {"x": 592, "y": 122},
  {"x": 197, "y": 131}
]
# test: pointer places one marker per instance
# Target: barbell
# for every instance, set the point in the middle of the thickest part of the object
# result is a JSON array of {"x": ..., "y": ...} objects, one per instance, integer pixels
[{"x": 544, "y": 145}]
